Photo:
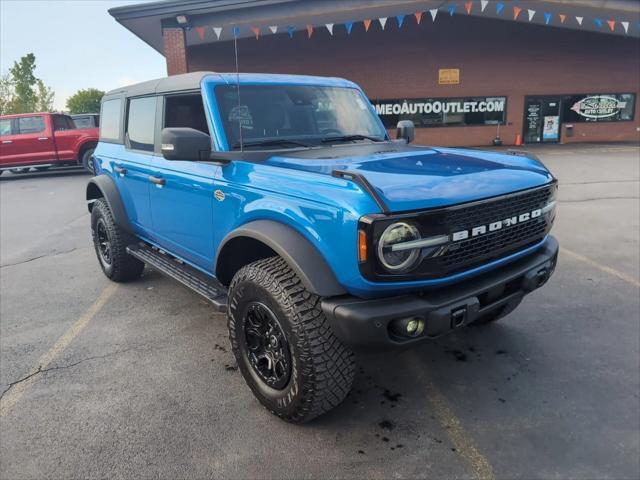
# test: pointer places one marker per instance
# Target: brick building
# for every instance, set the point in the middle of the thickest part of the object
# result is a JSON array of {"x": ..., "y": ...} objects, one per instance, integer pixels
[{"x": 543, "y": 70}]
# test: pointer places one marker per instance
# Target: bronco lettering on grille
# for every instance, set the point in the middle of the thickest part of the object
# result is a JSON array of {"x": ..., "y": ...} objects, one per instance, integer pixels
[{"x": 492, "y": 227}]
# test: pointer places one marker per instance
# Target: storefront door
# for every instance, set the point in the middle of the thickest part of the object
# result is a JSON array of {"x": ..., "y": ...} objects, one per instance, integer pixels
[{"x": 541, "y": 120}]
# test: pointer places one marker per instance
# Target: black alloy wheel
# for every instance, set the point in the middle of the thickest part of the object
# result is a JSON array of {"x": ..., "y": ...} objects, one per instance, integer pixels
[
  {"x": 267, "y": 347},
  {"x": 103, "y": 242}
]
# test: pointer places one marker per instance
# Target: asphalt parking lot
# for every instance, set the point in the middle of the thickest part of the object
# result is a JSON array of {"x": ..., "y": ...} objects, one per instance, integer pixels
[{"x": 138, "y": 380}]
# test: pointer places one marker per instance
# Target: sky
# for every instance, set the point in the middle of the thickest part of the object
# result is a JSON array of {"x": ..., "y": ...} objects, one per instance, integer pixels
[{"x": 77, "y": 45}]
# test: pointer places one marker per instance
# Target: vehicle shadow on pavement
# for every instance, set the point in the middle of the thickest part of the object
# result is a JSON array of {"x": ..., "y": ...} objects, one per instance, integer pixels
[{"x": 67, "y": 172}]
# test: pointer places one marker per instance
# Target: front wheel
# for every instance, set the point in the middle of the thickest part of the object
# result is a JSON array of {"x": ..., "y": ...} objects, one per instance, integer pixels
[
  {"x": 110, "y": 242},
  {"x": 288, "y": 355}
]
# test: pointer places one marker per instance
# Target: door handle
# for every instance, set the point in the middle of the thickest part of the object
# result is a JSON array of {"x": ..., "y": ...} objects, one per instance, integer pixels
[
  {"x": 7, "y": 141},
  {"x": 43, "y": 138},
  {"x": 160, "y": 182},
  {"x": 120, "y": 170}
]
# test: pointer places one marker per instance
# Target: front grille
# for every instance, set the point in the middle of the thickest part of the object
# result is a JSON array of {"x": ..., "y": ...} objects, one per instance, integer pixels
[
  {"x": 466, "y": 253},
  {"x": 459, "y": 256}
]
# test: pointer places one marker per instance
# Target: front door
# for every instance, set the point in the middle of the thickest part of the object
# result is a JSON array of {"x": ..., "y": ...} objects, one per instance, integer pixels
[
  {"x": 32, "y": 141},
  {"x": 181, "y": 198},
  {"x": 541, "y": 120}
]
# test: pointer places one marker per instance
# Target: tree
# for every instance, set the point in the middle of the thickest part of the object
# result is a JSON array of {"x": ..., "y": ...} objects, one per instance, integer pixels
[
  {"x": 7, "y": 94},
  {"x": 21, "y": 91},
  {"x": 85, "y": 101},
  {"x": 44, "y": 97}
]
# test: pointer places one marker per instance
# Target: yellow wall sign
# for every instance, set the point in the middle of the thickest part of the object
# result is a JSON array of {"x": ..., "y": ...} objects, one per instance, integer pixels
[{"x": 449, "y": 76}]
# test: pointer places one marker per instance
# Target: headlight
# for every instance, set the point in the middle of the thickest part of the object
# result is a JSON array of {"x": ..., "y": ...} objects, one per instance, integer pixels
[{"x": 401, "y": 260}]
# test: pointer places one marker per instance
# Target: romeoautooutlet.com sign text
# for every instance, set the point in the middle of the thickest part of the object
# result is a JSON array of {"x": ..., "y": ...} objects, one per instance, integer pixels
[
  {"x": 413, "y": 107},
  {"x": 434, "y": 112}
]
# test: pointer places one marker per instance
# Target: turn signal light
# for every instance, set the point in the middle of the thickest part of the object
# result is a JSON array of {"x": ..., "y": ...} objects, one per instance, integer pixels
[{"x": 362, "y": 246}]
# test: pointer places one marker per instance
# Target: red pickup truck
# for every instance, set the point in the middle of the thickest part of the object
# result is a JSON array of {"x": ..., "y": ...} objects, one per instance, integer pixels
[{"x": 42, "y": 140}]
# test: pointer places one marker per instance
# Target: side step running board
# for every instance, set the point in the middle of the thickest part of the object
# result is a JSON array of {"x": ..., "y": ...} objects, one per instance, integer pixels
[{"x": 197, "y": 281}]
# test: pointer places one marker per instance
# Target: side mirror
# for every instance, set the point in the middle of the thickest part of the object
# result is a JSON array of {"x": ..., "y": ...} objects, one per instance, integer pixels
[
  {"x": 181, "y": 143},
  {"x": 406, "y": 131}
]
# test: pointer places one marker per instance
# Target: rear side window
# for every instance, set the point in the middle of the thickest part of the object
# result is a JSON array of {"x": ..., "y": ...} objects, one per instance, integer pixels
[
  {"x": 5, "y": 127},
  {"x": 141, "y": 121},
  {"x": 83, "y": 122},
  {"x": 110, "y": 128},
  {"x": 30, "y": 125},
  {"x": 62, "y": 122}
]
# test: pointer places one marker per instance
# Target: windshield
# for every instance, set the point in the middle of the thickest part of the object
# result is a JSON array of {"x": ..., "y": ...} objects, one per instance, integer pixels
[{"x": 283, "y": 116}]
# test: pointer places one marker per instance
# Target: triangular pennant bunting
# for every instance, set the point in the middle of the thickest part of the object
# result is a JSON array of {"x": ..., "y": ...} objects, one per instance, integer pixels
[
  {"x": 531, "y": 13},
  {"x": 625, "y": 25},
  {"x": 309, "y": 30},
  {"x": 400, "y": 20},
  {"x": 516, "y": 12},
  {"x": 483, "y": 4},
  {"x": 597, "y": 22},
  {"x": 452, "y": 9},
  {"x": 367, "y": 24},
  {"x": 383, "y": 22},
  {"x": 290, "y": 31},
  {"x": 329, "y": 27},
  {"x": 274, "y": 29},
  {"x": 418, "y": 16},
  {"x": 200, "y": 31},
  {"x": 256, "y": 32},
  {"x": 612, "y": 24},
  {"x": 499, "y": 8},
  {"x": 217, "y": 31},
  {"x": 547, "y": 18},
  {"x": 433, "y": 12},
  {"x": 468, "y": 6},
  {"x": 349, "y": 27},
  {"x": 562, "y": 17},
  {"x": 579, "y": 20}
]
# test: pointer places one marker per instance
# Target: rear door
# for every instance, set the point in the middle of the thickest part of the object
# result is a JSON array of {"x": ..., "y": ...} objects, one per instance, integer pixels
[
  {"x": 66, "y": 135},
  {"x": 33, "y": 141},
  {"x": 133, "y": 168}
]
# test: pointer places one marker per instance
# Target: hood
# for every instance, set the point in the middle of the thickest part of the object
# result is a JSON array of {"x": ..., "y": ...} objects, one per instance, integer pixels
[{"x": 415, "y": 178}]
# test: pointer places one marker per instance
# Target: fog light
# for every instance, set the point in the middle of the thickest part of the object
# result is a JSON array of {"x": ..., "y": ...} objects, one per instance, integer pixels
[{"x": 408, "y": 327}]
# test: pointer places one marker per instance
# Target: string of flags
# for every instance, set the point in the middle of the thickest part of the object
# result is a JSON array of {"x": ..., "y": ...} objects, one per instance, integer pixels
[{"x": 501, "y": 9}]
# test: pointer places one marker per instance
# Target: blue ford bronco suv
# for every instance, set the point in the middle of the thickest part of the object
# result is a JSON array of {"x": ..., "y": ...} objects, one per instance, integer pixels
[{"x": 283, "y": 201}]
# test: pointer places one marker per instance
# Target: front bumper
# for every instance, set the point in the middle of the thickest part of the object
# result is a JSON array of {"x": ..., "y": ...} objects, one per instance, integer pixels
[{"x": 362, "y": 323}]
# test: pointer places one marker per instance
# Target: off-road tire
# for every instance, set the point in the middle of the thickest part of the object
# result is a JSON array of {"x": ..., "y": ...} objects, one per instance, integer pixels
[
  {"x": 322, "y": 367},
  {"x": 87, "y": 161},
  {"x": 122, "y": 266},
  {"x": 495, "y": 315}
]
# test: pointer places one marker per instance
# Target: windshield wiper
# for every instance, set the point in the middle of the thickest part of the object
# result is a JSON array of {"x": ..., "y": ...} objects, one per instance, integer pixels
[
  {"x": 348, "y": 138},
  {"x": 269, "y": 143}
]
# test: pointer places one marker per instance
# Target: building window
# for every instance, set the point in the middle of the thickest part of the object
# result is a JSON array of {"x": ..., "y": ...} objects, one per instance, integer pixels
[
  {"x": 603, "y": 107},
  {"x": 141, "y": 123},
  {"x": 443, "y": 112},
  {"x": 110, "y": 114}
]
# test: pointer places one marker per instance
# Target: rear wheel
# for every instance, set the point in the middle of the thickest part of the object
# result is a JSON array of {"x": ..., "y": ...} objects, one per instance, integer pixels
[
  {"x": 288, "y": 355},
  {"x": 110, "y": 243},
  {"x": 88, "y": 161}
]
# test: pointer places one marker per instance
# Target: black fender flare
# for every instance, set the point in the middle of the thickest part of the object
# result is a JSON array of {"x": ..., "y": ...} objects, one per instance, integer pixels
[
  {"x": 295, "y": 249},
  {"x": 103, "y": 186}
]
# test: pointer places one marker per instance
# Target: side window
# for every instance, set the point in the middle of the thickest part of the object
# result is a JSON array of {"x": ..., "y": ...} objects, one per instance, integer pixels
[
  {"x": 59, "y": 123},
  {"x": 5, "y": 127},
  {"x": 110, "y": 113},
  {"x": 141, "y": 119},
  {"x": 30, "y": 124},
  {"x": 185, "y": 111}
]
